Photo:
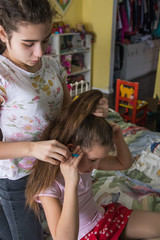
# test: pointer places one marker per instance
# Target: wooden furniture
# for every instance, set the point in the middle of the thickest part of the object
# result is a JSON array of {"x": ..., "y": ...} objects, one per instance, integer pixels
[{"x": 127, "y": 103}]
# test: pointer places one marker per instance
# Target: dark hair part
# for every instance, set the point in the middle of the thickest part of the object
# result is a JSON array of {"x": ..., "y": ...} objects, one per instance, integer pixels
[
  {"x": 93, "y": 130},
  {"x": 75, "y": 124},
  {"x": 15, "y": 12}
]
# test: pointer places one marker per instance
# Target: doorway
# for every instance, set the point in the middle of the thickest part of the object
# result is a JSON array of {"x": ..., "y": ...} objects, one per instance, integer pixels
[{"x": 133, "y": 58}]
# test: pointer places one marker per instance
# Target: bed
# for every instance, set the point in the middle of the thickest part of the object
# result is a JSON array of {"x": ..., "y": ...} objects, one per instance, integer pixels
[{"x": 137, "y": 188}]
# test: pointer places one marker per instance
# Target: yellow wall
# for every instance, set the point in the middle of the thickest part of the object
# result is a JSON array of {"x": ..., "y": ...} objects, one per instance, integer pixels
[
  {"x": 97, "y": 15},
  {"x": 73, "y": 14},
  {"x": 157, "y": 85}
]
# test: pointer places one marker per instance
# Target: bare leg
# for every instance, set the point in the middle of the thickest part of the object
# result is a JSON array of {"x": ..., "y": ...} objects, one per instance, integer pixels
[{"x": 142, "y": 225}]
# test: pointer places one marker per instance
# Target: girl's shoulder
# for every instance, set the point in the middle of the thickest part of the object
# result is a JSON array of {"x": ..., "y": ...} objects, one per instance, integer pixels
[
  {"x": 3, "y": 62},
  {"x": 55, "y": 190},
  {"x": 8, "y": 67}
]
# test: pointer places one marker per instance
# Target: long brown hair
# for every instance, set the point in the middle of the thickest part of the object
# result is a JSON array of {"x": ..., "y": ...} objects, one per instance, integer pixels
[{"x": 74, "y": 124}]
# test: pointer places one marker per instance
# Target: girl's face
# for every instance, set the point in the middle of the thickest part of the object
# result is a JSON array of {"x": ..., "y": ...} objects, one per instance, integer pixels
[
  {"x": 91, "y": 157},
  {"x": 28, "y": 45}
]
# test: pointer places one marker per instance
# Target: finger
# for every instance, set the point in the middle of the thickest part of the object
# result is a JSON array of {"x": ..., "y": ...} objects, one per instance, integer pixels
[
  {"x": 100, "y": 113},
  {"x": 58, "y": 144},
  {"x": 76, "y": 150},
  {"x": 55, "y": 143},
  {"x": 101, "y": 108},
  {"x": 58, "y": 155},
  {"x": 103, "y": 101},
  {"x": 61, "y": 150},
  {"x": 77, "y": 159},
  {"x": 97, "y": 114},
  {"x": 102, "y": 105},
  {"x": 76, "y": 156},
  {"x": 112, "y": 124},
  {"x": 52, "y": 161}
]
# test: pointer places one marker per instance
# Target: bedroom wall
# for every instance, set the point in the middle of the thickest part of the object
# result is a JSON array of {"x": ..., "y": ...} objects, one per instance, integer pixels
[
  {"x": 157, "y": 85},
  {"x": 97, "y": 16},
  {"x": 73, "y": 14}
]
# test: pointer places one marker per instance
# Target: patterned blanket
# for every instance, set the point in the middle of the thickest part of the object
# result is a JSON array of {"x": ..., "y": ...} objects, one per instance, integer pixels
[{"x": 137, "y": 188}]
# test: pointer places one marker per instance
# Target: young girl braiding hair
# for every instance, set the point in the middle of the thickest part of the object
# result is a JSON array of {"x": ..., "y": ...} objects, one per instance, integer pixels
[
  {"x": 32, "y": 91},
  {"x": 65, "y": 191}
]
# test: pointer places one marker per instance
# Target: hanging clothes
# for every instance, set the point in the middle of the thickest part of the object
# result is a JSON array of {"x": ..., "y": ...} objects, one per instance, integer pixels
[{"x": 137, "y": 16}]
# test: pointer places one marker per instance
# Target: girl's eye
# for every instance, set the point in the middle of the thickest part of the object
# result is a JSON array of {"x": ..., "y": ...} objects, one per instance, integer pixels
[
  {"x": 93, "y": 160},
  {"x": 31, "y": 44},
  {"x": 28, "y": 45},
  {"x": 45, "y": 41}
]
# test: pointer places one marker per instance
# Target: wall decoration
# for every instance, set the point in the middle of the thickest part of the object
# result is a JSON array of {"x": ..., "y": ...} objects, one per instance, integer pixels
[{"x": 63, "y": 5}]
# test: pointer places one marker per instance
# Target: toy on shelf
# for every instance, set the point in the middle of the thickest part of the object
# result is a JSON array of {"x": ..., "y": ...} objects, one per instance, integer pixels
[
  {"x": 66, "y": 43},
  {"x": 58, "y": 27},
  {"x": 72, "y": 63},
  {"x": 67, "y": 28},
  {"x": 135, "y": 110},
  {"x": 82, "y": 30},
  {"x": 61, "y": 27},
  {"x": 77, "y": 62},
  {"x": 66, "y": 62}
]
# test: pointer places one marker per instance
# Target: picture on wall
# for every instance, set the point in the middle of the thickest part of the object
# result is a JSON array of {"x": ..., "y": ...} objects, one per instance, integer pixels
[{"x": 63, "y": 4}]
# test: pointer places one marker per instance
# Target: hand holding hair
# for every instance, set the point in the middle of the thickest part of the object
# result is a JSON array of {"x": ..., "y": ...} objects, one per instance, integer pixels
[
  {"x": 51, "y": 151},
  {"x": 69, "y": 168},
  {"x": 117, "y": 132},
  {"x": 101, "y": 108}
]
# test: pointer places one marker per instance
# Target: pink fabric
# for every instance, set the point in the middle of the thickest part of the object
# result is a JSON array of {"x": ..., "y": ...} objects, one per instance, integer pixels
[
  {"x": 95, "y": 222},
  {"x": 124, "y": 22},
  {"x": 89, "y": 212},
  {"x": 111, "y": 225}
]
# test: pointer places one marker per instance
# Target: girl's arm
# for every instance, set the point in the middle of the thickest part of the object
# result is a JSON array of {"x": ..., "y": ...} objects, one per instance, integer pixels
[
  {"x": 67, "y": 97},
  {"x": 49, "y": 151},
  {"x": 123, "y": 160},
  {"x": 64, "y": 221}
]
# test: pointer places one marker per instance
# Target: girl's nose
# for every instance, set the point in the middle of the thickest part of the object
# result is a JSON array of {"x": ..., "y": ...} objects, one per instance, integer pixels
[{"x": 38, "y": 50}]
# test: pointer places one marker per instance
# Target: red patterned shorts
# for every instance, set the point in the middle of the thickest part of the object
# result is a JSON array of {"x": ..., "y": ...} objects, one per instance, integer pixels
[{"x": 111, "y": 225}]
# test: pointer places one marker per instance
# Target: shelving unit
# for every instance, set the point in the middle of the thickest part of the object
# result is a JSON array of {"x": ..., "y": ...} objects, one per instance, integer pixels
[{"x": 71, "y": 45}]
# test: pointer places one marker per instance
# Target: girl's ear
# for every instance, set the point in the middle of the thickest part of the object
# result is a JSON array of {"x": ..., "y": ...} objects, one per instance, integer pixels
[
  {"x": 3, "y": 34},
  {"x": 71, "y": 146}
]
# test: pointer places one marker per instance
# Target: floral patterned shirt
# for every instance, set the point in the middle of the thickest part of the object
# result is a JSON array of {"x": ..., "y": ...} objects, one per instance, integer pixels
[{"x": 30, "y": 100}]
